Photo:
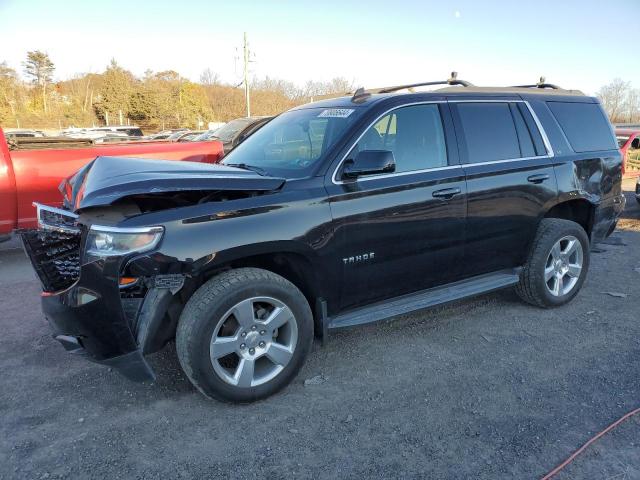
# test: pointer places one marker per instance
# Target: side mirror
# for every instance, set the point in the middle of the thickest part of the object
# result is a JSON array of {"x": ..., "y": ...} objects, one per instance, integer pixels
[{"x": 370, "y": 162}]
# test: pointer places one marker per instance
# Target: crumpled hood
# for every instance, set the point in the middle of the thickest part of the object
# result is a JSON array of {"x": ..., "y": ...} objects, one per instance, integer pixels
[{"x": 108, "y": 179}]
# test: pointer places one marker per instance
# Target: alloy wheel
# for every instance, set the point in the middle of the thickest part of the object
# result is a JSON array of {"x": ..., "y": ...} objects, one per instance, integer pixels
[
  {"x": 253, "y": 342},
  {"x": 564, "y": 265}
]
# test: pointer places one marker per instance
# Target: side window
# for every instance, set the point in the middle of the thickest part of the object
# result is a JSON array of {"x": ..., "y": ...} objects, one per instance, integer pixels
[
  {"x": 585, "y": 125},
  {"x": 414, "y": 134},
  {"x": 524, "y": 136},
  {"x": 489, "y": 131},
  {"x": 536, "y": 137}
]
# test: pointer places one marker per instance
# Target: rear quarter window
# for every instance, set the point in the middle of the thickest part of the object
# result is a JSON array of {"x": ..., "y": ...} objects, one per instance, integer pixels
[{"x": 584, "y": 125}]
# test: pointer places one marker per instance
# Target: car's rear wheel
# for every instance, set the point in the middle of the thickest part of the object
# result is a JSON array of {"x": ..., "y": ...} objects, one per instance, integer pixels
[
  {"x": 244, "y": 335},
  {"x": 557, "y": 264}
]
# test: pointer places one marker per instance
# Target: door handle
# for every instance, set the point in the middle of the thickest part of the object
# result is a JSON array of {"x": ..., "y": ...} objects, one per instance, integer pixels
[
  {"x": 538, "y": 178},
  {"x": 446, "y": 193}
]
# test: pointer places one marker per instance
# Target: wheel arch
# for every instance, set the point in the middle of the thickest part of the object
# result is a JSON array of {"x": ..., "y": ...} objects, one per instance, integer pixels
[
  {"x": 297, "y": 263},
  {"x": 579, "y": 210}
]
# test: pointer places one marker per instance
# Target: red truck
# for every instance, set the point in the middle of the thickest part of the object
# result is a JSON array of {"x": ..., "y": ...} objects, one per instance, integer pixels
[
  {"x": 629, "y": 143},
  {"x": 28, "y": 176}
]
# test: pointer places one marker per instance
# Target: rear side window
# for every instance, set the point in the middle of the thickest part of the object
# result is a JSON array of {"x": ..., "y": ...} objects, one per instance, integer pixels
[
  {"x": 585, "y": 126},
  {"x": 489, "y": 131}
]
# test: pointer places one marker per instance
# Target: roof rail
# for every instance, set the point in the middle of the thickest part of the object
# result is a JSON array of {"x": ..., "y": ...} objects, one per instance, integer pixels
[
  {"x": 453, "y": 80},
  {"x": 361, "y": 94},
  {"x": 541, "y": 84}
]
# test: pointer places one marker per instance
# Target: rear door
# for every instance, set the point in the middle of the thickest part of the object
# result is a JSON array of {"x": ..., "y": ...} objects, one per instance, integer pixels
[
  {"x": 401, "y": 232},
  {"x": 510, "y": 180}
]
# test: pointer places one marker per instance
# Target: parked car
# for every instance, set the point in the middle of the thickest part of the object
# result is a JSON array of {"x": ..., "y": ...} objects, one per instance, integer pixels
[
  {"x": 233, "y": 133},
  {"x": 334, "y": 214},
  {"x": 629, "y": 143},
  {"x": 91, "y": 133},
  {"x": 189, "y": 136},
  {"x": 165, "y": 134},
  {"x": 11, "y": 134},
  {"x": 176, "y": 136},
  {"x": 127, "y": 130},
  {"x": 638, "y": 190},
  {"x": 33, "y": 175}
]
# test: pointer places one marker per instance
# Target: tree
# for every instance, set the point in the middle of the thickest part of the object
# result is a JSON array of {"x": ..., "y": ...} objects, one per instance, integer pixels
[
  {"x": 208, "y": 77},
  {"x": 613, "y": 98},
  {"x": 116, "y": 90},
  {"x": 8, "y": 83},
  {"x": 39, "y": 68}
]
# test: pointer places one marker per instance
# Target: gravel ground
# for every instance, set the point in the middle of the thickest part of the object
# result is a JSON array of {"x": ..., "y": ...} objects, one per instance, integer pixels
[{"x": 485, "y": 388}]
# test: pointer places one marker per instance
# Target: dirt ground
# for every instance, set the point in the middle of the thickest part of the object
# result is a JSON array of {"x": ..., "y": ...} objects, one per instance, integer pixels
[{"x": 485, "y": 388}]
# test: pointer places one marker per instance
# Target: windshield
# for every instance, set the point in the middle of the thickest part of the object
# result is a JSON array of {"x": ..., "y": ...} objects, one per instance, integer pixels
[
  {"x": 229, "y": 130},
  {"x": 293, "y": 143}
]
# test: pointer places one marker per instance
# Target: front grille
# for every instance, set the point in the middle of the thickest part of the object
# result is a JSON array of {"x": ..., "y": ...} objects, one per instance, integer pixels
[{"x": 55, "y": 257}]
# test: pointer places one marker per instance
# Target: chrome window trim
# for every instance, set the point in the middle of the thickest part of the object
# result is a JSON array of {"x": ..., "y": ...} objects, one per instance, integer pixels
[
  {"x": 543, "y": 134},
  {"x": 504, "y": 161}
]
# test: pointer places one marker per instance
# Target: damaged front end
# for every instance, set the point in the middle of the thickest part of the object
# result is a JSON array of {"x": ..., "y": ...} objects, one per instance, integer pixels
[
  {"x": 109, "y": 292},
  {"x": 92, "y": 309}
]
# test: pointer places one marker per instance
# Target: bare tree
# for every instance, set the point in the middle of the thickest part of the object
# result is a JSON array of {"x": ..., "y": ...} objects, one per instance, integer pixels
[
  {"x": 209, "y": 77},
  {"x": 613, "y": 97},
  {"x": 632, "y": 105},
  {"x": 39, "y": 68}
]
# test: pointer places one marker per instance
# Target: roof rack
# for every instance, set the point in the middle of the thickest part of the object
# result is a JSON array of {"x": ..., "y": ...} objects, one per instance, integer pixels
[
  {"x": 361, "y": 94},
  {"x": 541, "y": 84},
  {"x": 453, "y": 80}
]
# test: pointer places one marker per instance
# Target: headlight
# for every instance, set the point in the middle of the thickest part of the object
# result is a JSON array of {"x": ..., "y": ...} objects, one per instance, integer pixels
[{"x": 112, "y": 241}]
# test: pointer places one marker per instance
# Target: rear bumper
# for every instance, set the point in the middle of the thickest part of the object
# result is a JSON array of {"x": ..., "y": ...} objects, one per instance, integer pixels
[{"x": 88, "y": 319}]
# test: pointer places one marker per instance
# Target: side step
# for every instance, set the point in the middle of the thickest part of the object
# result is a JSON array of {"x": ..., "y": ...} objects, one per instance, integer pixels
[{"x": 425, "y": 298}]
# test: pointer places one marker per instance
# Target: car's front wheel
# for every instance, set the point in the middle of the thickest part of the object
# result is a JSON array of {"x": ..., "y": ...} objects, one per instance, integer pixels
[
  {"x": 244, "y": 335},
  {"x": 557, "y": 264}
]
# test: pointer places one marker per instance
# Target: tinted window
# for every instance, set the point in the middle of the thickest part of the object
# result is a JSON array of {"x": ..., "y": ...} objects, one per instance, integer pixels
[
  {"x": 414, "y": 134},
  {"x": 538, "y": 143},
  {"x": 489, "y": 131},
  {"x": 585, "y": 126},
  {"x": 524, "y": 136}
]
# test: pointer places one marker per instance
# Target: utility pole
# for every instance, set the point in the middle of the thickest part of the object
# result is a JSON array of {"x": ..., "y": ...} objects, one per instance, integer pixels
[{"x": 246, "y": 75}]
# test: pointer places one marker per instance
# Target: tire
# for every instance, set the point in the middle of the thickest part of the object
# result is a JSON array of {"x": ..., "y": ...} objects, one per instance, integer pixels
[
  {"x": 539, "y": 283},
  {"x": 222, "y": 307}
]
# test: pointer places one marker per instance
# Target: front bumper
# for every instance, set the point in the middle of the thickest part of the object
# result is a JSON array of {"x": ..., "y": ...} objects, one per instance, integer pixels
[{"x": 88, "y": 319}]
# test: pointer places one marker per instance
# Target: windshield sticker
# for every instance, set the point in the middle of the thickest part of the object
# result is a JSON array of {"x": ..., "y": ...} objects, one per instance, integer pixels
[{"x": 336, "y": 112}]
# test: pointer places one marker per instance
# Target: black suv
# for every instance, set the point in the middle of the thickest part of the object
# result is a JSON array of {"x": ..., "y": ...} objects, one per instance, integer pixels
[{"x": 334, "y": 214}]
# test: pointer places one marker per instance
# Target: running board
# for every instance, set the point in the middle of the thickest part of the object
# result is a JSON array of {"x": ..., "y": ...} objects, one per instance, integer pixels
[{"x": 426, "y": 298}]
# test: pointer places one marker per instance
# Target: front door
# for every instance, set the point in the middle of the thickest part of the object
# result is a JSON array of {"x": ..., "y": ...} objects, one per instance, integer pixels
[{"x": 401, "y": 232}]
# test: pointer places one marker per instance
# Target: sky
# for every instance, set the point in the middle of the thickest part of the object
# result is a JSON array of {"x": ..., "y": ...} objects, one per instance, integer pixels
[{"x": 576, "y": 44}]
